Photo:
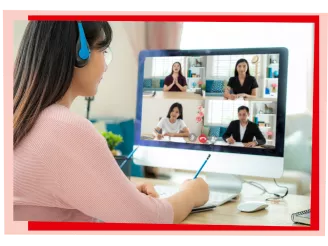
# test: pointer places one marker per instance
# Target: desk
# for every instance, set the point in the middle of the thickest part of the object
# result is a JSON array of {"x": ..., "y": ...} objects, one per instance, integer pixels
[
  {"x": 151, "y": 137},
  {"x": 175, "y": 95},
  {"x": 255, "y": 99},
  {"x": 227, "y": 214},
  {"x": 190, "y": 95}
]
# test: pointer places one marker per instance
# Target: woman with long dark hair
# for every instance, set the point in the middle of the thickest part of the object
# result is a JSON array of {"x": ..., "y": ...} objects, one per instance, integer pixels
[
  {"x": 63, "y": 168},
  {"x": 242, "y": 84},
  {"x": 175, "y": 81},
  {"x": 172, "y": 125}
]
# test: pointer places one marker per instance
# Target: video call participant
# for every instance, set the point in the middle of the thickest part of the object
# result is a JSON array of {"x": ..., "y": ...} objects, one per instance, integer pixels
[
  {"x": 243, "y": 130},
  {"x": 74, "y": 175},
  {"x": 175, "y": 81},
  {"x": 242, "y": 84},
  {"x": 172, "y": 125}
]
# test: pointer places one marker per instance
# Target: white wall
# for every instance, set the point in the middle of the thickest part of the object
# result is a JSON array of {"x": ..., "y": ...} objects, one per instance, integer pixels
[
  {"x": 148, "y": 67},
  {"x": 297, "y": 37},
  {"x": 19, "y": 28},
  {"x": 116, "y": 96}
]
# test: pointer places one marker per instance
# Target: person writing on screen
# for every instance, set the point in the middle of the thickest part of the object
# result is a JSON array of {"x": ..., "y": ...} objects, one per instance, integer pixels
[
  {"x": 242, "y": 84},
  {"x": 175, "y": 81},
  {"x": 63, "y": 168},
  {"x": 244, "y": 131},
  {"x": 172, "y": 125}
]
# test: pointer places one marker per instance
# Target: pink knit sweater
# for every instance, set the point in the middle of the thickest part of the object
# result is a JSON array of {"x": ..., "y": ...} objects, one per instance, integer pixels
[{"x": 64, "y": 171}]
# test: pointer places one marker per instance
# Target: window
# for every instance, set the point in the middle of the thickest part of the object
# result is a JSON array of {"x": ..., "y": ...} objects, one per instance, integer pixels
[
  {"x": 222, "y": 112},
  {"x": 224, "y": 66},
  {"x": 162, "y": 66}
]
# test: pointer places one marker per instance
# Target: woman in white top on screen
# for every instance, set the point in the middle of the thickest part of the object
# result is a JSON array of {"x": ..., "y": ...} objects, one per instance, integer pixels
[{"x": 172, "y": 125}]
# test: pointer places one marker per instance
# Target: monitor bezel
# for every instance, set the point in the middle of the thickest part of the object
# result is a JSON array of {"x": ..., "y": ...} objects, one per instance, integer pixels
[{"x": 281, "y": 100}]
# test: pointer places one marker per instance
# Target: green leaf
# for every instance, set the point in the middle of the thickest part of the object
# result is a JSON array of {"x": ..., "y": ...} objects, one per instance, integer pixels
[{"x": 112, "y": 139}]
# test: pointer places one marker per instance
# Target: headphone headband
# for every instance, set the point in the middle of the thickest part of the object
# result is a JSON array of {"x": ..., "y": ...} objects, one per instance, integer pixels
[{"x": 82, "y": 48}]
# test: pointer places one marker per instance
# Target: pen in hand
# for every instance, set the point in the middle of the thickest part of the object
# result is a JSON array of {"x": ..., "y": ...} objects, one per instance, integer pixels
[
  {"x": 158, "y": 132},
  {"x": 200, "y": 169},
  {"x": 129, "y": 157}
]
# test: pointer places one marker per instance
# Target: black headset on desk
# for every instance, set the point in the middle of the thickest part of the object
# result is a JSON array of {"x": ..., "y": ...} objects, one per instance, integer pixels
[{"x": 83, "y": 56}]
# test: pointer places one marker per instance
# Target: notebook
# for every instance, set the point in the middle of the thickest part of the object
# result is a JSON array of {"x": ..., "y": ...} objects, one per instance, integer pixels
[
  {"x": 302, "y": 217},
  {"x": 236, "y": 144},
  {"x": 173, "y": 139}
]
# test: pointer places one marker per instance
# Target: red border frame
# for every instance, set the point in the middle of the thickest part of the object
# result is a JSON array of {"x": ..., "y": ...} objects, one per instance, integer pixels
[{"x": 57, "y": 226}]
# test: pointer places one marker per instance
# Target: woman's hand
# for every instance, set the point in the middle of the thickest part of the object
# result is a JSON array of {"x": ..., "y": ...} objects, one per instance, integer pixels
[
  {"x": 232, "y": 96},
  {"x": 175, "y": 77},
  {"x": 160, "y": 136},
  {"x": 148, "y": 189},
  {"x": 199, "y": 190},
  {"x": 243, "y": 95}
]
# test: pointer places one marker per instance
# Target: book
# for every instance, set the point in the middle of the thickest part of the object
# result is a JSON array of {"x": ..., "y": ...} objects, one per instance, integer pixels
[
  {"x": 203, "y": 208},
  {"x": 302, "y": 217}
]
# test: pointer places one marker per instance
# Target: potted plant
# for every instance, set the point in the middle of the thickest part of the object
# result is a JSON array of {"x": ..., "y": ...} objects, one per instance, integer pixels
[
  {"x": 270, "y": 134},
  {"x": 112, "y": 141},
  {"x": 200, "y": 83}
]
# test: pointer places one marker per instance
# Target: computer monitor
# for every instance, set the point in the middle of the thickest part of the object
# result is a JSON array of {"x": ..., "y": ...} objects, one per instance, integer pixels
[{"x": 182, "y": 118}]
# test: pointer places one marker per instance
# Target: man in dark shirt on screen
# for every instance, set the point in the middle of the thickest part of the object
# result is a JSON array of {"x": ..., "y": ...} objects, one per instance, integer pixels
[{"x": 244, "y": 131}]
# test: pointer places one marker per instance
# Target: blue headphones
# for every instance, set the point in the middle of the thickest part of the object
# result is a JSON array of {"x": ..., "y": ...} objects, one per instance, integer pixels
[{"x": 82, "y": 48}]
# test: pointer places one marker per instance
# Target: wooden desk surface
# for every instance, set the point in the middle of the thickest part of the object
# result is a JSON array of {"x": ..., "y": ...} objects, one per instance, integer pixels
[
  {"x": 276, "y": 214},
  {"x": 188, "y": 95},
  {"x": 175, "y": 95},
  {"x": 259, "y": 99},
  {"x": 150, "y": 136},
  {"x": 193, "y": 96}
]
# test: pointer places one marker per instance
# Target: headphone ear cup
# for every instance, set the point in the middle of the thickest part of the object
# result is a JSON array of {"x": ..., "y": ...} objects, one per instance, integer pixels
[{"x": 79, "y": 62}]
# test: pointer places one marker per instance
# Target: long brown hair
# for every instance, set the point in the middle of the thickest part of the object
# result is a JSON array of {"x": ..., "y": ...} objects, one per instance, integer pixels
[
  {"x": 44, "y": 66},
  {"x": 240, "y": 61},
  {"x": 180, "y": 72}
]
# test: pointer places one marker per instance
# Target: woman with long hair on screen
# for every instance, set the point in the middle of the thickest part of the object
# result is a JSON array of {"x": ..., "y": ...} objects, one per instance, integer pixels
[
  {"x": 175, "y": 81},
  {"x": 63, "y": 168},
  {"x": 172, "y": 125},
  {"x": 242, "y": 84}
]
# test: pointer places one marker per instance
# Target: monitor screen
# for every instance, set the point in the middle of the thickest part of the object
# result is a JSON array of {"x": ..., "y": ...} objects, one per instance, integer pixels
[{"x": 230, "y": 100}]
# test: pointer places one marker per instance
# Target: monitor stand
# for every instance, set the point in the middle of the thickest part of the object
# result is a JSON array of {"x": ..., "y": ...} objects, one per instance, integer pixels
[{"x": 222, "y": 182}]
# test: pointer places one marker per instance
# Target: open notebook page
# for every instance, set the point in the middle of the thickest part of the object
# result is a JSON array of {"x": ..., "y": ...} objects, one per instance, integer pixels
[
  {"x": 236, "y": 144},
  {"x": 178, "y": 139},
  {"x": 166, "y": 138},
  {"x": 173, "y": 139}
]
